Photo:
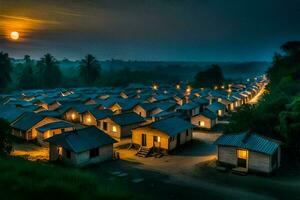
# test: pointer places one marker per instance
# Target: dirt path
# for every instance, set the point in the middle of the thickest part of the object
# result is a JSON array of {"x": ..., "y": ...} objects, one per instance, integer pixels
[{"x": 180, "y": 167}]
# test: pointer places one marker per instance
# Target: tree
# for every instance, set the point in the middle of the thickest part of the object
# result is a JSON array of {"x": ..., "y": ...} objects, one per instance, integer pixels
[
  {"x": 50, "y": 75},
  {"x": 90, "y": 70},
  {"x": 27, "y": 80},
  {"x": 6, "y": 69},
  {"x": 209, "y": 78},
  {"x": 5, "y": 142}
]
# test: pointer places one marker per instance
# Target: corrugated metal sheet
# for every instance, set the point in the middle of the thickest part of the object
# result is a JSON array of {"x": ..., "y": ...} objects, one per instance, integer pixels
[{"x": 252, "y": 142}]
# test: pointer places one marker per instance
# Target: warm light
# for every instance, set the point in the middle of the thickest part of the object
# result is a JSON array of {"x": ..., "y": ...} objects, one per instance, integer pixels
[
  {"x": 114, "y": 129},
  {"x": 188, "y": 89},
  {"x": 242, "y": 154},
  {"x": 89, "y": 119},
  {"x": 222, "y": 86},
  {"x": 216, "y": 87},
  {"x": 14, "y": 35},
  {"x": 155, "y": 87},
  {"x": 229, "y": 90},
  {"x": 177, "y": 86},
  {"x": 158, "y": 139},
  {"x": 73, "y": 116},
  {"x": 220, "y": 112},
  {"x": 202, "y": 123}
]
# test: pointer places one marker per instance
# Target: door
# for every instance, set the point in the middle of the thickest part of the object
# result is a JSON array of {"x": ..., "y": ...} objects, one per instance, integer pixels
[
  {"x": 242, "y": 158},
  {"x": 144, "y": 140}
]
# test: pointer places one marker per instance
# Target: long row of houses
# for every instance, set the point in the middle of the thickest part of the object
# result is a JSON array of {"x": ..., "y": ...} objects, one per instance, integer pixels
[{"x": 83, "y": 125}]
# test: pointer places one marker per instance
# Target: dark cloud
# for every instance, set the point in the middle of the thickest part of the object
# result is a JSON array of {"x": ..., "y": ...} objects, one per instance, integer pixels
[{"x": 212, "y": 30}]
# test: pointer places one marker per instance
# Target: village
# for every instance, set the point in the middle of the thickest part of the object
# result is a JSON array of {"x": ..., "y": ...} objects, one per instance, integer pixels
[{"x": 83, "y": 126}]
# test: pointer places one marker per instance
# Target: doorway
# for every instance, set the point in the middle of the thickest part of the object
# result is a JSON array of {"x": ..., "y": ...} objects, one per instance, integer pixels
[
  {"x": 242, "y": 158},
  {"x": 144, "y": 140},
  {"x": 178, "y": 140}
]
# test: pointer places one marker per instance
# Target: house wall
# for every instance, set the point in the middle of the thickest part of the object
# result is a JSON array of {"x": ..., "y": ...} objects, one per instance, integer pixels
[
  {"x": 69, "y": 113},
  {"x": 256, "y": 161},
  {"x": 86, "y": 116},
  {"x": 166, "y": 142},
  {"x": 140, "y": 111},
  {"x": 109, "y": 130},
  {"x": 83, "y": 158},
  {"x": 208, "y": 123}
]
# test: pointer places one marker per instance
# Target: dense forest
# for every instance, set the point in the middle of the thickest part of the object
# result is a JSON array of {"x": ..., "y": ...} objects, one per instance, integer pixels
[
  {"x": 48, "y": 72},
  {"x": 278, "y": 113}
]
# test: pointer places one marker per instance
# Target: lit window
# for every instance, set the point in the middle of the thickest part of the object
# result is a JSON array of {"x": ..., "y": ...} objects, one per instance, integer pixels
[
  {"x": 220, "y": 112},
  {"x": 73, "y": 116},
  {"x": 202, "y": 123},
  {"x": 156, "y": 138},
  {"x": 219, "y": 99},
  {"x": 114, "y": 128},
  {"x": 89, "y": 119},
  {"x": 243, "y": 154}
]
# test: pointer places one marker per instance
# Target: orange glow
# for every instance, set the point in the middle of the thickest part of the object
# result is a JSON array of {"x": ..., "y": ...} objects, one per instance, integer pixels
[{"x": 14, "y": 35}]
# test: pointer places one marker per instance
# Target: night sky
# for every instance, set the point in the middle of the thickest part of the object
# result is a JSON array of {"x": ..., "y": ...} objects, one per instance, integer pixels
[{"x": 181, "y": 30}]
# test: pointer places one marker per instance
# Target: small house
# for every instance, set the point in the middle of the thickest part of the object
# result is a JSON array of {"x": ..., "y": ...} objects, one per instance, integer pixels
[
  {"x": 25, "y": 126},
  {"x": 81, "y": 147},
  {"x": 205, "y": 120},
  {"x": 166, "y": 134},
  {"x": 217, "y": 108},
  {"x": 249, "y": 152},
  {"x": 93, "y": 117},
  {"x": 120, "y": 126},
  {"x": 51, "y": 129}
]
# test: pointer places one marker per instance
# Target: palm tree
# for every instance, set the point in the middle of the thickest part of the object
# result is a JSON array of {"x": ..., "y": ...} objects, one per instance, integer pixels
[
  {"x": 50, "y": 74},
  {"x": 89, "y": 70}
]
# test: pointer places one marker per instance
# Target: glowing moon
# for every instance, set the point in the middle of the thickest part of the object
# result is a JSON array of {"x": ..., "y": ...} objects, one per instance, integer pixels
[{"x": 14, "y": 35}]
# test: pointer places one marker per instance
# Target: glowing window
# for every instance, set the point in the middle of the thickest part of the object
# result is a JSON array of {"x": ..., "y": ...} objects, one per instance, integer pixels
[
  {"x": 114, "y": 128},
  {"x": 202, "y": 123},
  {"x": 73, "y": 116},
  {"x": 243, "y": 154},
  {"x": 219, "y": 99},
  {"x": 219, "y": 112}
]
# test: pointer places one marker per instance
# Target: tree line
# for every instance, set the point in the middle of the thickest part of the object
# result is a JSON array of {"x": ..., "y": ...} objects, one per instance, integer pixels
[{"x": 46, "y": 73}]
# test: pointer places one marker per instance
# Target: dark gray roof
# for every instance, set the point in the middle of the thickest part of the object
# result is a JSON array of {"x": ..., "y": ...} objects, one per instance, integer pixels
[
  {"x": 172, "y": 126},
  {"x": 10, "y": 113},
  {"x": 81, "y": 140},
  {"x": 216, "y": 106},
  {"x": 55, "y": 125},
  {"x": 209, "y": 114},
  {"x": 188, "y": 106},
  {"x": 127, "y": 119},
  {"x": 27, "y": 121},
  {"x": 250, "y": 141},
  {"x": 100, "y": 114}
]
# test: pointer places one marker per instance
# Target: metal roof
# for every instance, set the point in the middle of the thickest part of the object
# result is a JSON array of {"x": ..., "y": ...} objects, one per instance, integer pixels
[
  {"x": 81, "y": 140},
  {"x": 55, "y": 125},
  {"x": 250, "y": 141}
]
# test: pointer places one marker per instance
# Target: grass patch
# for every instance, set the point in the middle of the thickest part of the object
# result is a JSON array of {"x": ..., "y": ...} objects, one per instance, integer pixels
[{"x": 22, "y": 179}]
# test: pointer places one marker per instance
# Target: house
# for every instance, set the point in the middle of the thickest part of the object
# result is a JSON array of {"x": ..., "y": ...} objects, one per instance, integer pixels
[
  {"x": 81, "y": 147},
  {"x": 51, "y": 129},
  {"x": 93, "y": 117},
  {"x": 205, "y": 119},
  {"x": 189, "y": 109},
  {"x": 166, "y": 134},
  {"x": 74, "y": 113},
  {"x": 120, "y": 126},
  {"x": 217, "y": 108},
  {"x": 25, "y": 126},
  {"x": 249, "y": 151}
]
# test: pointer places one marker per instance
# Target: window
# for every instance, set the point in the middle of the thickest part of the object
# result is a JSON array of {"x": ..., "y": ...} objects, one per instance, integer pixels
[
  {"x": 156, "y": 138},
  {"x": 98, "y": 123},
  {"x": 114, "y": 129},
  {"x": 94, "y": 153},
  {"x": 243, "y": 154},
  {"x": 187, "y": 132},
  {"x": 201, "y": 123},
  {"x": 105, "y": 126},
  {"x": 219, "y": 99},
  {"x": 219, "y": 112},
  {"x": 68, "y": 154},
  {"x": 140, "y": 113}
]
